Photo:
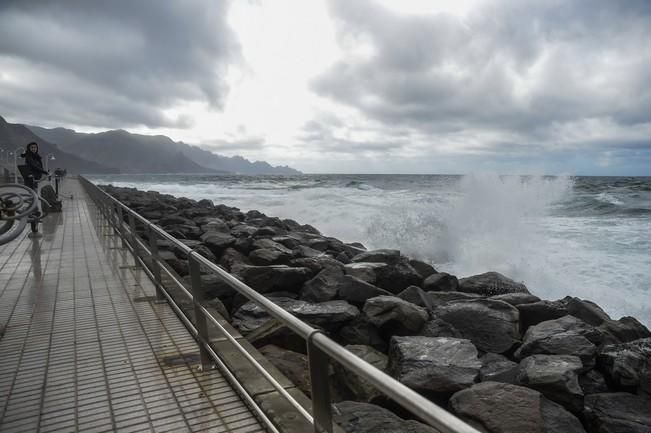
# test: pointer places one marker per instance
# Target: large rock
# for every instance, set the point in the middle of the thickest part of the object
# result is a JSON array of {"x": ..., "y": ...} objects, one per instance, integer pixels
[
  {"x": 356, "y": 417},
  {"x": 440, "y": 365},
  {"x": 439, "y": 328},
  {"x": 231, "y": 258},
  {"x": 516, "y": 299},
  {"x": 492, "y": 326},
  {"x": 541, "y": 311},
  {"x": 627, "y": 366},
  {"x": 618, "y": 413},
  {"x": 364, "y": 271},
  {"x": 292, "y": 364},
  {"x": 593, "y": 382},
  {"x": 490, "y": 283},
  {"x": 392, "y": 277},
  {"x": 267, "y": 279},
  {"x": 360, "y": 331},
  {"x": 269, "y": 256},
  {"x": 217, "y": 241},
  {"x": 394, "y": 316},
  {"x": 378, "y": 256},
  {"x": 498, "y": 368},
  {"x": 316, "y": 264},
  {"x": 565, "y": 336},
  {"x": 328, "y": 315},
  {"x": 441, "y": 282},
  {"x": 324, "y": 286},
  {"x": 504, "y": 408},
  {"x": 423, "y": 268},
  {"x": 361, "y": 388},
  {"x": 214, "y": 286},
  {"x": 587, "y": 311},
  {"x": 431, "y": 300},
  {"x": 624, "y": 330},
  {"x": 357, "y": 291},
  {"x": 556, "y": 377}
]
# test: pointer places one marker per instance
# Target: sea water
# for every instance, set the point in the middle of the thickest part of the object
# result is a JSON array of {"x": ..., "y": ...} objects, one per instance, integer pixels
[{"x": 580, "y": 236}]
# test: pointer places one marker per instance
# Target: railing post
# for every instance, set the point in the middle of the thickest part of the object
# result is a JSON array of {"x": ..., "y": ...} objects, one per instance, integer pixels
[
  {"x": 319, "y": 363},
  {"x": 200, "y": 319},
  {"x": 121, "y": 226},
  {"x": 134, "y": 239},
  {"x": 155, "y": 266}
]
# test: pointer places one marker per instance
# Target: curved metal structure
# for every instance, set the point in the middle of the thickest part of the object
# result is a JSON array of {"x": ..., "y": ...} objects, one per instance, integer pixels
[
  {"x": 321, "y": 349},
  {"x": 17, "y": 203}
]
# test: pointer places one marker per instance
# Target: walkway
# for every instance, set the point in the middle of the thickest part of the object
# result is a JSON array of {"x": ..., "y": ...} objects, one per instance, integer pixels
[{"x": 84, "y": 348}]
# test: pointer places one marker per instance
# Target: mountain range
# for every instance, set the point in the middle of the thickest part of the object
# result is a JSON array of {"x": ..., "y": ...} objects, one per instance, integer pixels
[{"x": 119, "y": 151}]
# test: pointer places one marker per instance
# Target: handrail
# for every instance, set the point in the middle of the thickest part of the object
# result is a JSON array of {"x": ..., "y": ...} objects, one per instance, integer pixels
[{"x": 424, "y": 409}]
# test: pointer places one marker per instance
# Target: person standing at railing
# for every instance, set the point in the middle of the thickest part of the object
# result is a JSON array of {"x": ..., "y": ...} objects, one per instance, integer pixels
[{"x": 34, "y": 164}]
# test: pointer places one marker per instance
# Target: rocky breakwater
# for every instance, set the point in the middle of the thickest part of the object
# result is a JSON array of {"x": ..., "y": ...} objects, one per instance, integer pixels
[{"x": 482, "y": 346}]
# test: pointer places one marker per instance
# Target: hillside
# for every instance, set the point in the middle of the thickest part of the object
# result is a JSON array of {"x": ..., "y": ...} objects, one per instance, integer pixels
[
  {"x": 137, "y": 153},
  {"x": 16, "y": 136}
]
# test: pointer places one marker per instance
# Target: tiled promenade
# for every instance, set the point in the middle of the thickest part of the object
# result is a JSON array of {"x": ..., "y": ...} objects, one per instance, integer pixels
[{"x": 84, "y": 349}]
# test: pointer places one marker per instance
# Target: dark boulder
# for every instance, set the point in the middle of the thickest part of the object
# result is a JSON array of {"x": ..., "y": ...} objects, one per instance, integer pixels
[
  {"x": 171, "y": 220},
  {"x": 353, "y": 249},
  {"x": 618, "y": 413},
  {"x": 378, "y": 256},
  {"x": 541, "y": 311},
  {"x": 624, "y": 330},
  {"x": 440, "y": 365},
  {"x": 393, "y": 316},
  {"x": 504, "y": 408},
  {"x": 232, "y": 258},
  {"x": 627, "y": 366},
  {"x": 498, "y": 368},
  {"x": 556, "y": 377},
  {"x": 265, "y": 231},
  {"x": 490, "y": 284},
  {"x": 316, "y": 264},
  {"x": 356, "y": 417},
  {"x": 360, "y": 331},
  {"x": 423, "y": 268},
  {"x": 269, "y": 256},
  {"x": 291, "y": 364},
  {"x": 439, "y": 328},
  {"x": 324, "y": 286},
  {"x": 217, "y": 242},
  {"x": 391, "y": 277},
  {"x": 361, "y": 388},
  {"x": 356, "y": 291},
  {"x": 516, "y": 299},
  {"x": 267, "y": 279},
  {"x": 305, "y": 251},
  {"x": 492, "y": 326},
  {"x": 565, "y": 336},
  {"x": 593, "y": 382},
  {"x": 364, "y": 271},
  {"x": 587, "y": 311},
  {"x": 214, "y": 286},
  {"x": 243, "y": 230},
  {"x": 441, "y": 282},
  {"x": 287, "y": 241}
]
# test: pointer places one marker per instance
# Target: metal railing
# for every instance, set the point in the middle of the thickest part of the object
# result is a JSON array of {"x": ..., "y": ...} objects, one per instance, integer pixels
[{"x": 320, "y": 348}]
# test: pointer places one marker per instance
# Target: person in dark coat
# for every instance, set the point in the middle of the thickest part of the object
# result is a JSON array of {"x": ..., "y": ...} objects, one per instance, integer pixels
[{"x": 34, "y": 164}]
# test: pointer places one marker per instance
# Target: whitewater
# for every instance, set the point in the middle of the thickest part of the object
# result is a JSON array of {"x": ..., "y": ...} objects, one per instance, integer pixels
[{"x": 580, "y": 236}]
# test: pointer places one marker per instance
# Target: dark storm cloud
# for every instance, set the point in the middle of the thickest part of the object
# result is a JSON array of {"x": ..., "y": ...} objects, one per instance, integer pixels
[
  {"x": 512, "y": 66},
  {"x": 113, "y": 63}
]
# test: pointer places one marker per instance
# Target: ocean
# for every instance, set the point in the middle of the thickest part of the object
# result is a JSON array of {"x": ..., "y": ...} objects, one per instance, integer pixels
[{"x": 580, "y": 236}]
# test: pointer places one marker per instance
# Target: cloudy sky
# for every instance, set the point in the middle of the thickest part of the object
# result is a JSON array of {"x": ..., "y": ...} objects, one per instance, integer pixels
[{"x": 363, "y": 86}]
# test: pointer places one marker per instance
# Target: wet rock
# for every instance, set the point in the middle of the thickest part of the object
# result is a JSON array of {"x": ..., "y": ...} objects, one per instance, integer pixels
[
  {"x": 624, "y": 330},
  {"x": 364, "y": 271},
  {"x": 565, "y": 336},
  {"x": 490, "y": 284},
  {"x": 327, "y": 315},
  {"x": 356, "y": 417},
  {"x": 292, "y": 364},
  {"x": 231, "y": 258},
  {"x": 627, "y": 366},
  {"x": 270, "y": 244},
  {"x": 213, "y": 286},
  {"x": 243, "y": 230},
  {"x": 516, "y": 298},
  {"x": 424, "y": 269},
  {"x": 353, "y": 249},
  {"x": 316, "y": 264},
  {"x": 492, "y": 326},
  {"x": 343, "y": 258},
  {"x": 172, "y": 220},
  {"x": 360, "y": 331},
  {"x": 440, "y": 365},
  {"x": 394, "y": 316},
  {"x": 356, "y": 291},
  {"x": 244, "y": 245},
  {"x": 218, "y": 305},
  {"x": 323, "y": 287},
  {"x": 439, "y": 328},
  {"x": 397, "y": 277},
  {"x": 217, "y": 242},
  {"x": 618, "y": 413},
  {"x": 587, "y": 311},
  {"x": 362, "y": 389},
  {"x": 268, "y": 256},
  {"x": 305, "y": 251},
  {"x": 265, "y": 231},
  {"x": 184, "y": 231},
  {"x": 498, "y": 368},
  {"x": 267, "y": 279},
  {"x": 441, "y": 282},
  {"x": 556, "y": 377},
  {"x": 593, "y": 382},
  {"x": 212, "y": 224},
  {"x": 541, "y": 311},
  {"x": 287, "y": 241},
  {"x": 179, "y": 266},
  {"x": 504, "y": 408},
  {"x": 378, "y": 256}
]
